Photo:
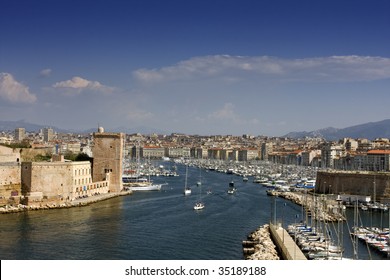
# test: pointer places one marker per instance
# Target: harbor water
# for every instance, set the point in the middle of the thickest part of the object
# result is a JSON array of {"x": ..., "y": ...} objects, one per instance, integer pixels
[{"x": 160, "y": 225}]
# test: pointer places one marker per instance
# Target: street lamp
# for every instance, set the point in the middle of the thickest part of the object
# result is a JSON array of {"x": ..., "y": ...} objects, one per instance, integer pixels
[
  {"x": 295, "y": 234},
  {"x": 284, "y": 204}
]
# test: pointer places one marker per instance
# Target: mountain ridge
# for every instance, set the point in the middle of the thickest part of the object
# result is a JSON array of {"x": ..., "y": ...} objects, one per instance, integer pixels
[
  {"x": 30, "y": 127},
  {"x": 369, "y": 130}
]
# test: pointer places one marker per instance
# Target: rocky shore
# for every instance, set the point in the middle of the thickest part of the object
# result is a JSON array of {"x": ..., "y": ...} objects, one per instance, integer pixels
[
  {"x": 259, "y": 245},
  {"x": 57, "y": 205}
]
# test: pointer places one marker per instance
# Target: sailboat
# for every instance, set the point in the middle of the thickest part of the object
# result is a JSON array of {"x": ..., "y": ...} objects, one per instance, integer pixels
[
  {"x": 199, "y": 205},
  {"x": 187, "y": 190},
  {"x": 232, "y": 189},
  {"x": 200, "y": 177}
]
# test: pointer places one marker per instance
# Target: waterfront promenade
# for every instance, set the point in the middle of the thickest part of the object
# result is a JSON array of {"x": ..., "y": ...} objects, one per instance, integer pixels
[
  {"x": 66, "y": 204},
  {"x": 287, "y": 247}
]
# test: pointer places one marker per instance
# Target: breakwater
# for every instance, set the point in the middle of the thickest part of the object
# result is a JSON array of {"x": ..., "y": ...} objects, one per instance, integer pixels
[{"x": 259, "y": 245}]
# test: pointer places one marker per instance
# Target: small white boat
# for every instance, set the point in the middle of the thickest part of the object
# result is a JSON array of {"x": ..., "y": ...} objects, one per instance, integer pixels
[
  {"x": 187, "y": 190},
  {"x": 199, "y": 206}
]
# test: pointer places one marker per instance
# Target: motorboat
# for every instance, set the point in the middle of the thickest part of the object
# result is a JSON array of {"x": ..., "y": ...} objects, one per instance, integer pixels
[{"x": 199, "y": 206}]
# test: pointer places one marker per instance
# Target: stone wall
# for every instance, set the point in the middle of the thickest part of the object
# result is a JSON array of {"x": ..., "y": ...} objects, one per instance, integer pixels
[
  {"x": 9, "y": 155},
  {"x": 53, "y": 180},
  {"x": 10, "y": 183},
  {"x": 374, "y": 184},
  {"x": 29, "y": 154}
]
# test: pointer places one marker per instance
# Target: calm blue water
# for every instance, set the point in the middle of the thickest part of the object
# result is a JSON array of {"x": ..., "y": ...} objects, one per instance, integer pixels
[{"x": 152, "y": 225}]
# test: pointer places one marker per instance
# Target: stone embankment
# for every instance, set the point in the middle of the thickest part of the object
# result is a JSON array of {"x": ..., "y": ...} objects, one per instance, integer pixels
[
  {"x": 320, "y": 207},
  {"x": 259, "y": 245},
  {"x": 53, "y": 205}
]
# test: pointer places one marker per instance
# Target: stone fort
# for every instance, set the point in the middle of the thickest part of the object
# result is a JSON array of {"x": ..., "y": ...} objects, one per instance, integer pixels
[
  {"x": 366, "y": 183},
  {"x": 58, "y": 181}
]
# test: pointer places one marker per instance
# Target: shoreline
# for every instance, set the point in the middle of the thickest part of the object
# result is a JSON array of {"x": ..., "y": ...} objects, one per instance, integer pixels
[
  {"x": 8, "y": 209},
  {"x": 259, "y": 245}
]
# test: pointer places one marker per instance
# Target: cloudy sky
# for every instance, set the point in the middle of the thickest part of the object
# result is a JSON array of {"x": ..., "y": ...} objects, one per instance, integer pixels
[{"x": 236, "y": 67}]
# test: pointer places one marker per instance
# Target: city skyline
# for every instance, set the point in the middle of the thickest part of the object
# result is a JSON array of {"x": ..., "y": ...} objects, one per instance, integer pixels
[{"x": 194, "y": 67}]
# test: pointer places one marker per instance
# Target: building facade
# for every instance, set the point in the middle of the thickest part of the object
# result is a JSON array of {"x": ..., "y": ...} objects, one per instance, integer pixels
[
  {"x": 48, "y": 134},
  {"x": 153, "y": 152},
  {"x": 58, "y": 181},
  {"x": 20, "y": 134}
]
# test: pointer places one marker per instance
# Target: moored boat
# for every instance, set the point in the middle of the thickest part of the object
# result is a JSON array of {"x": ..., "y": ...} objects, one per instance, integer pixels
[{"x": 143, "y": 186}]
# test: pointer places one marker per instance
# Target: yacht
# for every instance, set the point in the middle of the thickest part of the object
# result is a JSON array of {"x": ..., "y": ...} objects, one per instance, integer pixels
[{"x": 142, "y": 186}]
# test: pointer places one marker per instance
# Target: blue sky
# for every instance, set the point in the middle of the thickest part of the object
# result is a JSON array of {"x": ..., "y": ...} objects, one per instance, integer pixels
[{"x": 197, "y": 67}]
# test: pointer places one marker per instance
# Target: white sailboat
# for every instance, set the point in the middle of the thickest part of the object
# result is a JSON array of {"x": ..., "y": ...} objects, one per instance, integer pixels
[
  {"x": 232, "y": 189},
  {"x": 200, "y": 177},
  {"x": 187, "y": 190},
  {"x": 199, "y": 205}
]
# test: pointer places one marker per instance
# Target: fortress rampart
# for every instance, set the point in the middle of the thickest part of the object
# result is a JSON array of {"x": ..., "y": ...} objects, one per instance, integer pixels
[{"x": 374, "y": 184}]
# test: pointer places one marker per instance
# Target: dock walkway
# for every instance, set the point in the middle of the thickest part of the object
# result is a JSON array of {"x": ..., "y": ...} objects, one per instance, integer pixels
[{"x": 288, "y": 249}]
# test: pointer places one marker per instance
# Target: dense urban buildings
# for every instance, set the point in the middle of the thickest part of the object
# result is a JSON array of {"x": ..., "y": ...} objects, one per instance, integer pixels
[{"x": 42, "y": 165}]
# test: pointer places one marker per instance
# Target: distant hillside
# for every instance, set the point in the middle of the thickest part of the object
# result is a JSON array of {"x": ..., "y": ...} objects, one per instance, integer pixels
[
  {"x": 140, "y": 129},
  {"x": 11, "y": 125},
  {"x": 371, "y": 130}
]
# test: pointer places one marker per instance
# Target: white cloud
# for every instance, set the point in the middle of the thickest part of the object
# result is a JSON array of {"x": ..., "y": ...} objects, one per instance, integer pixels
[
  {"x": 139, "y": 114},
  {"x": 14, "y": 91},
  {"x": 79, "y": 84},
  {"x": 228, "y": 115},
  {"x": 45, "y": 73},
  {"x": 225, "y": 113},
  {"x": 331, "y": 69}
]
